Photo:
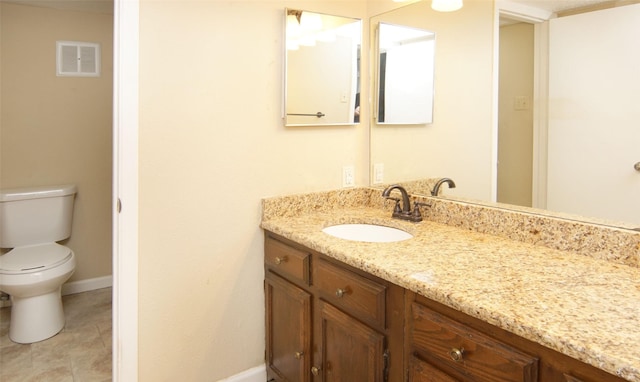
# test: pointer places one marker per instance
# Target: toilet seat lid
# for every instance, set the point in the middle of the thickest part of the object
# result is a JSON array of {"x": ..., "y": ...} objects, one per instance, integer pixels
[{"x": 34, "y": 257}]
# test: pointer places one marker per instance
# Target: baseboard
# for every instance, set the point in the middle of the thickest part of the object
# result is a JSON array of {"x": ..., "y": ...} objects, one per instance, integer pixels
[
  {"x": 87, "y": 285},
  {"x": 256, "y": 374}
]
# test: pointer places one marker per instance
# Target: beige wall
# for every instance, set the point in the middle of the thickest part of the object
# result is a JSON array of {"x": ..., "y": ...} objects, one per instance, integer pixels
[
  {"x": 212, "y": 144},
  {"x": 515, "y": 122},
  {"x": 458, "y": 144},
  {"x": 57, "y": 130}
]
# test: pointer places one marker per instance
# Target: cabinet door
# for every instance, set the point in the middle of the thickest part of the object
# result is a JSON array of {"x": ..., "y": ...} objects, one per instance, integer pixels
[
  {"x": 288, "y": 330},
  {"x": 351, "y": 351}
]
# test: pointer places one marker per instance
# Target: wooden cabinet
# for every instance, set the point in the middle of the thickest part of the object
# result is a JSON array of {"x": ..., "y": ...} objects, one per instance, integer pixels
[
  {"x": 326, "y": 321},
  {"x": 445, "y": 345},
  {"x": 363, "y": 298},
  {"x": 350, "y": 350},
  {"x": 460, "y": 352},
  {"x": 288, "y": 329}
]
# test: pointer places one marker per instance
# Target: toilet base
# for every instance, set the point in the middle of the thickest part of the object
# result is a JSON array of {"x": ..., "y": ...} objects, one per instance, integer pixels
[{"x": 36, "y": 318}]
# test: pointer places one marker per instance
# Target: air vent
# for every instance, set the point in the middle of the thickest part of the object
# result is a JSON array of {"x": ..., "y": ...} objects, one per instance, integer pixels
[{"x": 78, "y": 59}]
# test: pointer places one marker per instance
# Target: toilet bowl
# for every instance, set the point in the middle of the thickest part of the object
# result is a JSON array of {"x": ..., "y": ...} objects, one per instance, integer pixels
[
  {"x": 33, "y": 271},
  {"x": 33, "y": 277}
]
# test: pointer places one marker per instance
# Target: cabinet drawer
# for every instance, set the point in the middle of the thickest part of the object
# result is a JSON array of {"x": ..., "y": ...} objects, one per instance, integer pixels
[
  {"x": 420, "y": 371},
  {"x": 286, "y": 260},
  {"x": 465, "y": 352},
  {"x": 357, "y": 295}
]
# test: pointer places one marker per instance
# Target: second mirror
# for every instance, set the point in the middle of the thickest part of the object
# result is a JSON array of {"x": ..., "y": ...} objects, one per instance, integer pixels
[{"x": 405, "y": 75}]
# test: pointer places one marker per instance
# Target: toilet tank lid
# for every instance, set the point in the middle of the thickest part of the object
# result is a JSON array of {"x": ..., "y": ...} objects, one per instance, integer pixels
[{"x": 11, "y": 194}]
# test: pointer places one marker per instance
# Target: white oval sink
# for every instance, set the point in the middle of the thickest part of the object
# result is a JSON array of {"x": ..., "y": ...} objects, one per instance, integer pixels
[{"x": 367, "y": 232}]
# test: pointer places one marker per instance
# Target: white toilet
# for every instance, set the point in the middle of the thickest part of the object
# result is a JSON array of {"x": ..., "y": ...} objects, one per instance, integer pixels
[{"x": 33, "y": 271}]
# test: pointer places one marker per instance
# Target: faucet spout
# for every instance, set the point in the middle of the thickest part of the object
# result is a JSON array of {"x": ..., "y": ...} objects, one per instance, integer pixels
[
  {"x": 406, "y": 204},
  {"x": 403, "y": 213},
  {"x": 439, "y": 183}
]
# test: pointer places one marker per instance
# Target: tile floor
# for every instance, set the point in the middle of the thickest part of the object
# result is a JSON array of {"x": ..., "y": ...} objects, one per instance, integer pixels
[{"x": 81, "y": 352}]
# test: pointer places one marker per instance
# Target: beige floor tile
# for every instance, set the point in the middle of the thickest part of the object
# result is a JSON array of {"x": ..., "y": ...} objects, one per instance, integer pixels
[
  {"x": 92, "y": 367},
  {"x": 81, "y": 352}
]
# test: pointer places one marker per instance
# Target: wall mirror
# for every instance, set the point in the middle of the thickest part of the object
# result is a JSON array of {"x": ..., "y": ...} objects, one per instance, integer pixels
[
  {"x": 322, "y": 69},
  {"x": 462, "y": 143},
  {"x": 404, "y": 75}
]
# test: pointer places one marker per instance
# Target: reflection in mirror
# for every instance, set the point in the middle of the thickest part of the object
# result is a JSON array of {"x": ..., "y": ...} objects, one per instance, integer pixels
[
  {"x": 577, "y": 111},
  {"x": 322, "y": 69},
  {"x": 405, "y": 75}
]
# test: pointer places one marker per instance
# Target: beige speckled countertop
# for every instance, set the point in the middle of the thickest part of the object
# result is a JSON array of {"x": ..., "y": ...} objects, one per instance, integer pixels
[{"x": 584, "y": 307}]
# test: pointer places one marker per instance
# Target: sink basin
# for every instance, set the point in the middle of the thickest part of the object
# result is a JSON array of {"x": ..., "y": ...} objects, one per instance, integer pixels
[{"x": 367, "y": 232}]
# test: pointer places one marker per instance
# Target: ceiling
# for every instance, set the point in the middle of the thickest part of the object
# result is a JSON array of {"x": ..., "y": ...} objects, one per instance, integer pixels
[
  {"x": 106, "y": 6},
  {"x": 560, "y": 5}
]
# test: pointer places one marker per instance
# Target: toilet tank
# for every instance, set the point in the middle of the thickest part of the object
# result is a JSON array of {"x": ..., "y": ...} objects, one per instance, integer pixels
[{"x": 35, "y": 215}]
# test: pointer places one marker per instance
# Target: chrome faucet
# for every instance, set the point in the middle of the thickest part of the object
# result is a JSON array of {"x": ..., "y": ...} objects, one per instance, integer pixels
[
  {"x": 436, "y": 188},
  {"x": 403, "y": 212}
]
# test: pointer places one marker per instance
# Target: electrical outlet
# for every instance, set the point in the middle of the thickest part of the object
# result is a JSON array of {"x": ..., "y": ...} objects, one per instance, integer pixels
[
  {"x": 378, "y": 173},
  {"x": 348, "y": 177}
]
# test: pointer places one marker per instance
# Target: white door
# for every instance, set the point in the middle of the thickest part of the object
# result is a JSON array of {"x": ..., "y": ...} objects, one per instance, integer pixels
[{"x": 594, "y": 114}]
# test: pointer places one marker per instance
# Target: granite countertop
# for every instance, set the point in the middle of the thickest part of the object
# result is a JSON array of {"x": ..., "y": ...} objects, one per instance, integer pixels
[{"x": 584, "y": 307}]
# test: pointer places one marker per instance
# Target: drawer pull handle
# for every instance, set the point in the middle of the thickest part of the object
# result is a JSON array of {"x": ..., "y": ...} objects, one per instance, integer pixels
[
  {"x": 456, "y": 354},
  {"x": 315, "y": 371},
  {"x": 280, "y": 260},
  {"x": 341, "y": 292},
  {"x": 299, "y": 354}
]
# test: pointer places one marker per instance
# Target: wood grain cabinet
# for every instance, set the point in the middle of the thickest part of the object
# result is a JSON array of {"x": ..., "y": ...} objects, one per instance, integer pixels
[
  {"x": 288, "y": 329},
  {"x": 327, "y": 321},
  {"x": 457, "y": 352},
  {"x": 445, "y": 345}
]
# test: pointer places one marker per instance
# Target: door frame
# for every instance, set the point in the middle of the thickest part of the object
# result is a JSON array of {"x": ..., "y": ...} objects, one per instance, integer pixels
[
  {"x": 125, "y": 191},
  {"x": 539, "y": 18}
]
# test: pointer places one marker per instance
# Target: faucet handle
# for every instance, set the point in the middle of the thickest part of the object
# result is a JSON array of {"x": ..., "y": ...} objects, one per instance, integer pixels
[
  {"x": 416, "y": 209},
  {"x": 396, "y": 208},
  {"x": 421, "y": 204}
]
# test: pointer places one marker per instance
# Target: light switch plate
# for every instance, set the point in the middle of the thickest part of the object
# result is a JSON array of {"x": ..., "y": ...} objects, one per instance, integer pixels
[
  {"x": 378, "y": 173},
  {"x": 348, "y": 176}
]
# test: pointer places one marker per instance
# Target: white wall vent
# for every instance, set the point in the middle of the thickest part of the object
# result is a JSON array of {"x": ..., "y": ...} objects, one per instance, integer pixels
[{"x": 77, "y": 59}]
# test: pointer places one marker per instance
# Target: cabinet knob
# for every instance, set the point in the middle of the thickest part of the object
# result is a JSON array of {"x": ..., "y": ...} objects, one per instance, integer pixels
[
  {"x": 456, "y": 354},
  {"x": 280, "y": 260},
  {"x": 299, "y": 354},
  {"x": 341, "y": 292},
  {"x": 315, "y": 371},
  {"x": 637, "y": 166}
]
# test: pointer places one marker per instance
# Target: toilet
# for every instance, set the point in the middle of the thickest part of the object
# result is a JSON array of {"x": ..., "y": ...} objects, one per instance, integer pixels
[{"x": 32, "y": 272}]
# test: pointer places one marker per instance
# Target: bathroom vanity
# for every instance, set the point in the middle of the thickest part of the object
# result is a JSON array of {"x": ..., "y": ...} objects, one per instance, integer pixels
[
  {"x": 448, "y": 304},
  {"x": 325, "y": 319}
]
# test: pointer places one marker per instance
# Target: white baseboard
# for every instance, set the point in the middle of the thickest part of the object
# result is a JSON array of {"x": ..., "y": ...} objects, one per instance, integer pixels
[
  {"x": 256, "y": 374},
  {"x": 87, "y": 285}
]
